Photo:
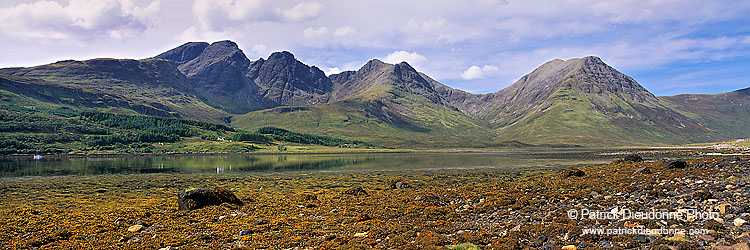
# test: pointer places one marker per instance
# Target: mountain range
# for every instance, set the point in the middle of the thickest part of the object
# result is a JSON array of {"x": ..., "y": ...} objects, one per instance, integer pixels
[{"x": 575, "y": 102}]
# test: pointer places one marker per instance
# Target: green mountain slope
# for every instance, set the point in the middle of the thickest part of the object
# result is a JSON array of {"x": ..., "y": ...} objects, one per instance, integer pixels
[
  {"x": 384, "y": 104},
  {"x": 149, "y": 86},
  {"x": 727, "y": 114},
  {"x": 580, "y": 101}
]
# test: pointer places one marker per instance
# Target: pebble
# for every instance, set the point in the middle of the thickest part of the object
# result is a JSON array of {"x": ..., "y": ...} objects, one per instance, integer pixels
[
  {"x": 722, "y": 208},
  {"x": 738, "y": 246},
  {"x": 570, "y": 247},
  {"x": 135, "y": 228},
  {"x": 360, "y": 235},
  {"x": 134, "y": 240},
  {"x": 739, "y": 222},
  {"x": 707, "y": 237}
]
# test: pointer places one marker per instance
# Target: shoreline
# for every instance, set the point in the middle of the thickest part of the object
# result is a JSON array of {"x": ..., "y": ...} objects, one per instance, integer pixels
[{"x": 619, "y": 151}]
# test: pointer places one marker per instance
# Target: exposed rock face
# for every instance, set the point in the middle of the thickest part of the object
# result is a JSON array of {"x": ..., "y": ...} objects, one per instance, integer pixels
[
  {"x": 340, "y": 78},
  {"x": 184, "y": 53},
  {"x": 198, "y": 198},
  {"x": 283, "y": 80},
  {"x": 218, "y": 74},
  {"x": 225, "y": 78}
]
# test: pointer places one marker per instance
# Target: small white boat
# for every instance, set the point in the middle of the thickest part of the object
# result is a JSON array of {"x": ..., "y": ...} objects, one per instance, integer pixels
[{"x": 37, "y": 157}]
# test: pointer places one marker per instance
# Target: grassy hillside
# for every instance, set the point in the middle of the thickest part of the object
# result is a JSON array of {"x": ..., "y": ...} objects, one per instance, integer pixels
[
  {"x": 727, "y": 114},
  {"x": 56, "y": 130},
  {"x": 575, "y": 117},
  {"x": 397, "y": 122},
  {"x": 149, "y": 86}
]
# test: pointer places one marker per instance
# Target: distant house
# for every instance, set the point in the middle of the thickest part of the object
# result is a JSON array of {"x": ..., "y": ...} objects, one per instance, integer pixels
[{"x": 220, "y": 139}]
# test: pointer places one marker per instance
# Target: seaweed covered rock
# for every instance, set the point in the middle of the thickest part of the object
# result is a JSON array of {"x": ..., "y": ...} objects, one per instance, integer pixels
[
  {"x": 397, "y": 183},
  {"x": 571, "y": 171},
  {"x": 355, "y": 191},
  {"x": 643, "y": 170},
  {"x": 633, "y": 158},
  {"x": 201, "y": 197},
  {"x": 676, "y": 164}
]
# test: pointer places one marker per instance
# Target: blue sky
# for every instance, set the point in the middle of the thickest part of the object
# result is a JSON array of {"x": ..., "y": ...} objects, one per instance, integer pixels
[{"x": 669, "y": 46}]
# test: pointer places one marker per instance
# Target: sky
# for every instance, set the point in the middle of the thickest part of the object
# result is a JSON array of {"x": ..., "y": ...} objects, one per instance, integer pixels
[{"x": 668, "y": 46}]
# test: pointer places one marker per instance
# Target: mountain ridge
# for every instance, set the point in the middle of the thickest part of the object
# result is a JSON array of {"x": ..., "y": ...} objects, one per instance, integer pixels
[{"x": 548, "y": 106}]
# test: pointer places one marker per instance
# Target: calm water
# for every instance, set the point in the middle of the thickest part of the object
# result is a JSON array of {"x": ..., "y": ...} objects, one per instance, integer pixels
[{"x": 224, "y": 164}]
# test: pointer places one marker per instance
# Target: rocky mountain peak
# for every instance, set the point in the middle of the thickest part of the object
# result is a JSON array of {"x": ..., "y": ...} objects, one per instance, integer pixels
[
  {"x": 226, "y": 44},
  {"x": 593, "y": 60},
  {"x": 184, "y": 53},
  {"x": 282, "y": 55},
  {"x": 286, "y": 81},
  {"x": 372, "y": 65},
  {"x": 226, "y": 52}
]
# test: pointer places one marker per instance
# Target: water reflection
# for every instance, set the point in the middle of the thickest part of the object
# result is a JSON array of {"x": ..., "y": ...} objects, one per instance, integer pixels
[{"x": 224, "y": 164}]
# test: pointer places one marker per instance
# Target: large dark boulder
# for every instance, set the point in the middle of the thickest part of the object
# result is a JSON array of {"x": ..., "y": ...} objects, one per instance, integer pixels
[
  {"x": 633, "y": 158},
  {"x": 571, "y": 171},
  {"x": 676, "y": 164},
  {"x": 201, "y": 197}
]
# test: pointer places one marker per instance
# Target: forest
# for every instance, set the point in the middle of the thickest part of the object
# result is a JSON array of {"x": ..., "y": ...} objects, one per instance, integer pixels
[{"x": 65, "y": 130}]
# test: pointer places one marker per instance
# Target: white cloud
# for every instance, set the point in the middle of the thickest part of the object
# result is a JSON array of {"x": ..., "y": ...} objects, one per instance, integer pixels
[
  {"x": 476, "y": 72},
  {"x": 343, "y": 31},
  {"x": 315, "y": 32},
  {"x": 302, "y": 11},
  {"x": 429, "y": 25},
  {"x": 514, "y": 36},
  {"x": 402, "y": 56},
  {"x": 213, "y": 13},
  {"x": 78, "y": 20},
  {"x": 260, "y": 50},
  {"x": 332, "y": 71}
]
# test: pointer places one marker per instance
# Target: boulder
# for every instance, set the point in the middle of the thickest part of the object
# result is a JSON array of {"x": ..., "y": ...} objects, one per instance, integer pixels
[
  {"x": 355, "y": 191},
  {"x": 201, "y": 197},
  {"x": 397, "y": 184},
  {"x": 571, "y": 171},
  {"x": 676, "y": 164},
  {"x": 633, "y": 158}
]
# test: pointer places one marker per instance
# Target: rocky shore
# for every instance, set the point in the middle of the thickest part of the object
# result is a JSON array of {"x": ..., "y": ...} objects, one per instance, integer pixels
[{"x": 703, "y": 203}]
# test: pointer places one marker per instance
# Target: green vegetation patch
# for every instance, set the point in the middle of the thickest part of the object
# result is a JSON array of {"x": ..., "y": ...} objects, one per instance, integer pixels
[{"x": 280, "y": 134}]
